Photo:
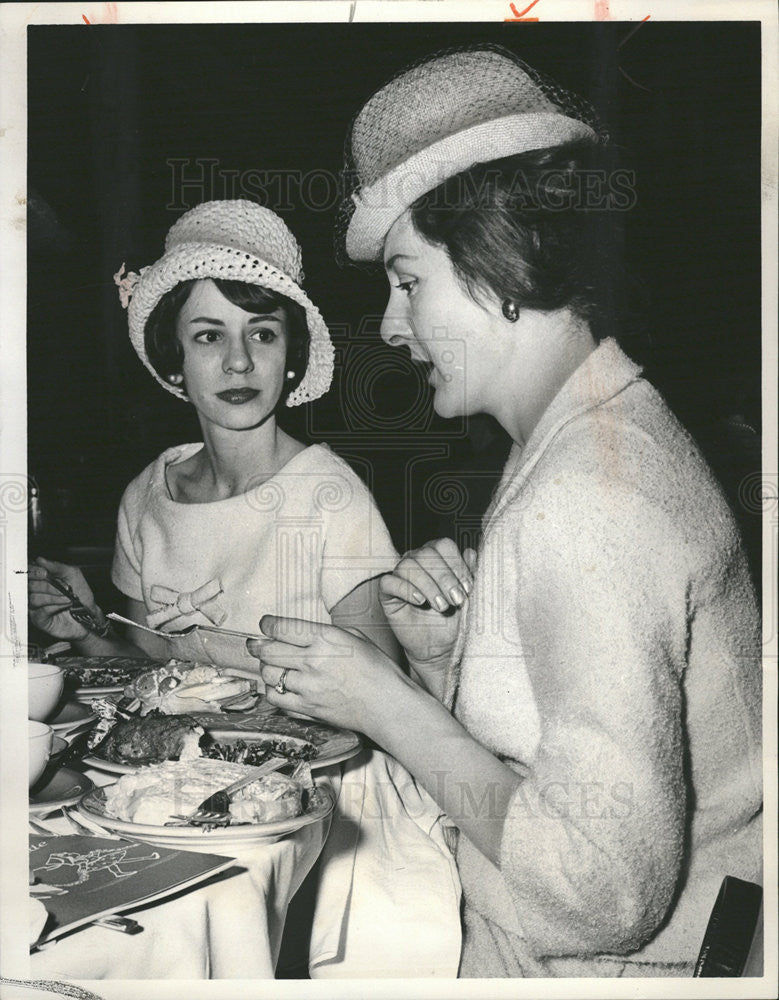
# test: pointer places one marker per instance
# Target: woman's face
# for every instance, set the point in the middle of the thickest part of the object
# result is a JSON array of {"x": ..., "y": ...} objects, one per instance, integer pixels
[
  {"x": 234, "y": 360},
  {"x": 430, "y": 312}
]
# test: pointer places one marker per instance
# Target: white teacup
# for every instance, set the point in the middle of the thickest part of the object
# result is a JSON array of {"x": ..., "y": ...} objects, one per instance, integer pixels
[
  {"x": 39, "y": 741},
  {"x": 45, "y": 682}
]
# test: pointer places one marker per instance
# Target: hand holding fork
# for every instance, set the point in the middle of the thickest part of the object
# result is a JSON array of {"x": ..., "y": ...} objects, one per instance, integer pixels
[{"x": 61, "y": 601}]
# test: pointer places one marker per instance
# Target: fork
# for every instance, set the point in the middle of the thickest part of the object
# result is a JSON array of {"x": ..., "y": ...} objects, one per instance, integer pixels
[
  {"x": 215, "y": 810},
  {"x": 77, "y": 610}
]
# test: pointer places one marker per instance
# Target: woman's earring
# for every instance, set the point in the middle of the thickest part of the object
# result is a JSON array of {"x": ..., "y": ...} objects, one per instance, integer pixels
[
  {"x": 176, "y": 379},
  {"x": 510, "y": 310},
  {"x": 290, "y": 374}
]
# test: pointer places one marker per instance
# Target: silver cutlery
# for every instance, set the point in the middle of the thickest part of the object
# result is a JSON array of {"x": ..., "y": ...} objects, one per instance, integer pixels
[
  {"x": 215, "y": 810},
  {"x": 78, "y": 611}
]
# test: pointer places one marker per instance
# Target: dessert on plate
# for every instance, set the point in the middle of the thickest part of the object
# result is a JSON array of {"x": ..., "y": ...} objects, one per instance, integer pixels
[{"x": 157, "y": 794}]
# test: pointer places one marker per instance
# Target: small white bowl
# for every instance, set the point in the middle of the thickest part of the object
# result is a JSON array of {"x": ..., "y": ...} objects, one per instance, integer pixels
[
  {"x": 39, "y": 741},
  {"x": 45, "y": 682}
]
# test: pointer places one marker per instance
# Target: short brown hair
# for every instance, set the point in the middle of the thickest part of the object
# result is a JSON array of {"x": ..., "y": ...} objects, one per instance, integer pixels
[{"x": 533, "y": 228}]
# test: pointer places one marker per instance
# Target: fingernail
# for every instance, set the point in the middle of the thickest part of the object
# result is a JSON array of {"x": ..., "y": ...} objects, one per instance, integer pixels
[
  {"x": 419, "y": 598},
  {"x": 440, "y": 603},
  {"x": 457, "y": 595},
  {"x": 467, "y": 586}
]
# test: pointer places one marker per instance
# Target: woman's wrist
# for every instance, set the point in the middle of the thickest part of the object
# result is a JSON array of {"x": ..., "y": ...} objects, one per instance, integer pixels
[
  {"x": 431, "y": 673},
  {"x": 398, "y": 699},
  {"x": 431, "y": 667}
]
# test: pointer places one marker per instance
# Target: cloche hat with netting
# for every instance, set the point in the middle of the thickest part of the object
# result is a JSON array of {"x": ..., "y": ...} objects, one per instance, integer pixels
[
  {"x": 239, "y": 241},
  {"x": 443, "y": 115}
]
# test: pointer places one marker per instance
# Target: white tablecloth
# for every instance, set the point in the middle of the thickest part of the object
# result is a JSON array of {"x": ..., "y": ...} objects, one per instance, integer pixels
[
  {"x": 227, "y": 929},
  {"x": 387, "y": 902}
]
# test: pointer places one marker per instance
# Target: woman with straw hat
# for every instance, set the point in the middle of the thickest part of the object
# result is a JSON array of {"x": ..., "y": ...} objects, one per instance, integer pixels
[
  {"x": 248, "y": 519},
  {"x": 584, "y": 696}
]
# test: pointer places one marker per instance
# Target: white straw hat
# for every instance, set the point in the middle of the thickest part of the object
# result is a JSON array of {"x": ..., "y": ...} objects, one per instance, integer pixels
[
  {"x": 238, "y": 241},
  {"x": 441, "y": 117}
]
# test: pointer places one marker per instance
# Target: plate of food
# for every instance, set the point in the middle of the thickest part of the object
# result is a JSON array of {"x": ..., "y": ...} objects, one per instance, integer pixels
[
  {"x": 182, "y": 686},
  {"x": 154, "y": 738},
  {"x": 88, "y": 677},
  {"x": 147, "y": 804}
]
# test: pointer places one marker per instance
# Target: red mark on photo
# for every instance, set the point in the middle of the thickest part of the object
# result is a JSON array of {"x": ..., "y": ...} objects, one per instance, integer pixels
[
  {"x": 633, "y": 31},
  {"x": 520, "y": 15},
  {"x": 108, "y": 15},
  {"x": 627, "y": 37}
]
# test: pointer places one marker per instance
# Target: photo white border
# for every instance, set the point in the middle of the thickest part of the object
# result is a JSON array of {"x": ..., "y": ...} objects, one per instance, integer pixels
[{"x": 14, "y": 18}]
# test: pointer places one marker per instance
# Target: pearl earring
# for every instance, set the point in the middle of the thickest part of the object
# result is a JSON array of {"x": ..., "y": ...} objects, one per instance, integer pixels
[
  {"x": 290, "y": 374},
  {"x": 510, "y": 310},
  {"x": 176, "y": 379}
]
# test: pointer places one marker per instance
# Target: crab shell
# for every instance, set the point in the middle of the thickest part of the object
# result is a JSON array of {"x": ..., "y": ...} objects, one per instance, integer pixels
[{"x": 179, "y": 687}]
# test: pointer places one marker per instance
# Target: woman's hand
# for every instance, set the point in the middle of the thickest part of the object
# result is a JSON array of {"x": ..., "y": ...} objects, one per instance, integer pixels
[
  {"x": 332, "y": 674},
  {"x": 345, "y": 680},
  {"x": 48, "y": 607},
  {"x": 423, "y": 597}
]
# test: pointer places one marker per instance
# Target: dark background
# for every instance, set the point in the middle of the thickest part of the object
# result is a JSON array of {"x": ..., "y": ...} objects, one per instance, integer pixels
[{"x": 111, "y": 106}]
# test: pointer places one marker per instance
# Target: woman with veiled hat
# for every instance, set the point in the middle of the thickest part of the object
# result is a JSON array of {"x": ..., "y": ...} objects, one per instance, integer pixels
[
  {"x": 215, "y": 532},
  {"x": 584, "y": 697}
]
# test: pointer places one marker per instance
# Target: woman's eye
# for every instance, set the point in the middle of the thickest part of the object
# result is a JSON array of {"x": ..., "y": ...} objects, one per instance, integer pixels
[
  {"x": 406, "y": 286},
  {"x": 265, "y": 336},
  {"x": 208, "y": 336}
]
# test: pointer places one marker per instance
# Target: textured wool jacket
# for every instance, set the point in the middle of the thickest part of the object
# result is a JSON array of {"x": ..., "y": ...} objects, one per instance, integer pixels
[{"x": 610, "y": 654}]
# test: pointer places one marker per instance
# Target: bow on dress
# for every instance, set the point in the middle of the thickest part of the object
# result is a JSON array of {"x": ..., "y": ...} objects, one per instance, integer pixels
[{"x": 177, "y": 604}]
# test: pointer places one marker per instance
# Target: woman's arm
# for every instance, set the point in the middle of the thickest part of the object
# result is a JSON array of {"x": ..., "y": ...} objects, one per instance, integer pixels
[
  {"x": 594, "y": 840},
  {"x": 148, "y": 644},
  {"x": 360, "y": 611},
  {"x": 467, "y": 781},
  {"x": 341, "y": 678}
]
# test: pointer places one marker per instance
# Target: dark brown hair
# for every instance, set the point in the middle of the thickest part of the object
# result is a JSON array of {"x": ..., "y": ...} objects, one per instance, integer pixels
[{"x": 541, "y": 228}]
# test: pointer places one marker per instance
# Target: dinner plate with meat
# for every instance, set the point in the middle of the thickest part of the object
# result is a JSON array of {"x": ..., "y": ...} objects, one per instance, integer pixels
[
  {"x": 154, "y": 738},
  {"x": 139, "y": 805}
]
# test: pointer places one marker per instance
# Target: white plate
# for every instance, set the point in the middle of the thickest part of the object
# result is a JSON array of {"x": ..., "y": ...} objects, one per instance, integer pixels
[
  {"x": 71, "y": 717},
  {"x": 85, "y": 695},
  {"x": 220, "y": 840},
  {"x": 62, "y": 788},
  {"x": 333, "y": 745},
  {"x": 76, "y": 667}
]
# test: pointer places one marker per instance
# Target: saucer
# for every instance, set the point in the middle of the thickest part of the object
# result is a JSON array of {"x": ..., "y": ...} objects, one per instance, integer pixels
[
  {"x": 56, "y": 790},
  {"x": 58, "y": 746},
  {"x": 70, "y": 717}
]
